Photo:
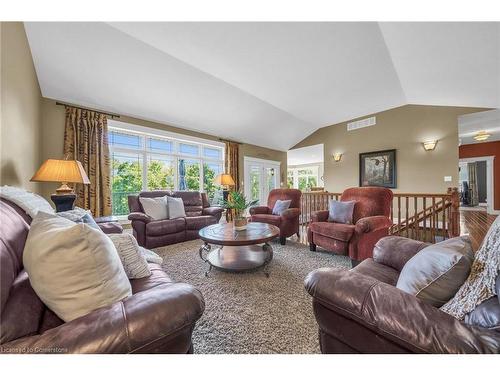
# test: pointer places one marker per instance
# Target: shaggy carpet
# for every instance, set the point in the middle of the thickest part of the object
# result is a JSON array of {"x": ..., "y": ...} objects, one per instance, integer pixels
[{"x": 248, "y": 312}]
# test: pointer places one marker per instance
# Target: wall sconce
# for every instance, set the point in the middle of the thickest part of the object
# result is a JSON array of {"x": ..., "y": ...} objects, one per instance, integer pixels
[
  {"x": 429, "y": 145},
  {"x": 337, "y": 156},
  {"x": 272, "y": 171}
]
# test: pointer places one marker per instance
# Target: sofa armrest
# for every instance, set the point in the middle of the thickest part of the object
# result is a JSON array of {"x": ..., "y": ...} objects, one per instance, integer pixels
[
  {"x": 317, "y": 216},
  {"x": 212, "y": 211},
  {"x": 395, "y": 251},
  {"x": 141, "y": 322},
  {"x": 397, "y": 316},
  {"x": 255, "y": 210},
  {"x": 372, "y": 223},
  {"x": 140, "y": 216},
  {"x": 290, "y": 213}
]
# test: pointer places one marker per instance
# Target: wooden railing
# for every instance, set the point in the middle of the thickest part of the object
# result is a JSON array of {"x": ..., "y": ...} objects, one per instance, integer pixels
[{"x": 424, "y": 217}]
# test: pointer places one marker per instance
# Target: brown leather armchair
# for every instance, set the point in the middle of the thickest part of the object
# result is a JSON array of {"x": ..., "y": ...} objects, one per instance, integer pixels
[
  {"x": 288, "y": 221},
  {"x": 159, "y": 317},
  {"x": 370, "y": 223},
  {"x": 361, "y": 310}
]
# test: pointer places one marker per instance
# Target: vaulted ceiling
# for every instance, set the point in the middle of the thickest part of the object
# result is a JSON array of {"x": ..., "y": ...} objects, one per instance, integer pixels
[{"x": 269, "y": 84}]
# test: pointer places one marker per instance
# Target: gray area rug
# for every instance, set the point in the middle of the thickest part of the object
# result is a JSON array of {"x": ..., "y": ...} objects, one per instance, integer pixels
[{"x": 248, "y": 312}]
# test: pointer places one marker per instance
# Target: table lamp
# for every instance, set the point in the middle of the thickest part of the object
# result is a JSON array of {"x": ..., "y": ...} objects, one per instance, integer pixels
[
  {"x": 225, "y": 180},
  {"x": 62, "y": 171}
]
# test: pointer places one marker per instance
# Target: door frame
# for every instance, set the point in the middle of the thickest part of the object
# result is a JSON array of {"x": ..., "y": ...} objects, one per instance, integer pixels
[
  {"x": 265, "y": 163},
  {"x": 490, "y": 181}
]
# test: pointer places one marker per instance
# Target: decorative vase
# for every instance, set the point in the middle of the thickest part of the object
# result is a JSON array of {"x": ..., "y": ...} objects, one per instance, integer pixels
[{"x": 240, "y": 223}]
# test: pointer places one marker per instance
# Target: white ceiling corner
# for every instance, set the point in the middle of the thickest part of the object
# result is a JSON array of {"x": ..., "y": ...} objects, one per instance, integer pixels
[{"x": 269, "y": 84}]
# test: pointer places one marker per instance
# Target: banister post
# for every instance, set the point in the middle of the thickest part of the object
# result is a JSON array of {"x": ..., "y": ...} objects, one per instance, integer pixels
[{"x": 454, "y": 224}]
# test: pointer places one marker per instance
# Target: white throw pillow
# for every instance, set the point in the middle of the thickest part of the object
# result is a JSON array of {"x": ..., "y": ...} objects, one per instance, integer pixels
[
  {"x": 73, "y": 268},
  {"x": 133, "y": 260},
  {"x": 175, "y": 208},
  {"x": 151, "y": 256},
  {"x": 155, "y": 207},
  {"x": 31, "y": 203}
]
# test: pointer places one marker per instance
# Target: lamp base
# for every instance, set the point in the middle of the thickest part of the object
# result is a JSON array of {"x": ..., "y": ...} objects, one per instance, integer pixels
[{"x": 63, "y": 202}]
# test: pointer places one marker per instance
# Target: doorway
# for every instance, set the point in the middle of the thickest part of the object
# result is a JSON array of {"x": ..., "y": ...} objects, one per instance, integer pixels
[
  {"x": 261, "y": 176},
  {"x": 476, "y": 183}
]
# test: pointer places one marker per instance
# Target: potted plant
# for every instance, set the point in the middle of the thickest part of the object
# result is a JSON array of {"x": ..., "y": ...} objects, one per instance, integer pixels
[{"x": 237, "y": 202}]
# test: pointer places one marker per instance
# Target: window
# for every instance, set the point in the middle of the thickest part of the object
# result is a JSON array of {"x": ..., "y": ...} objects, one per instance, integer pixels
[
  {"x": 150, "y": 161},
  {"x": 303, "y": 178}
]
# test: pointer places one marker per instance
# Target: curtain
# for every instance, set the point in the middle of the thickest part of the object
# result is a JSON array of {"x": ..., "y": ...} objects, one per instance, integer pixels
[
  {"x": 474, "y": 201},
  {"x": 86, "y": 140},
  {"x": 231, "y": 162}
]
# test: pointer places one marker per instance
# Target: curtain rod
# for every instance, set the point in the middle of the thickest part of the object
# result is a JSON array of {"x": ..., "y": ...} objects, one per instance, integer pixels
[
  {"x": 89, "y": 109},
  {"x": 228, "y": 140}
]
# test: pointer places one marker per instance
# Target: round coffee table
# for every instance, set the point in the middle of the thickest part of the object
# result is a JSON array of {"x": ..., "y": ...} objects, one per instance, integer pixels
[{"x": 237, "y": 251}]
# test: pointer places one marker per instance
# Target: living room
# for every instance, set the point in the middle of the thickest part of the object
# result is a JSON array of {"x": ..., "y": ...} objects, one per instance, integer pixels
[{"x": 251, "y": 188}]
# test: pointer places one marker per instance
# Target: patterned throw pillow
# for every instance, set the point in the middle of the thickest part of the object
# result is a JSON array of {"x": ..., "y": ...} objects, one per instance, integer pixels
[
  {"x": 340, "y": 212},
  {"x": 133, "y": 259},
  {"x": 281, "y": 206},
  {"x": 79, "y": 215}
]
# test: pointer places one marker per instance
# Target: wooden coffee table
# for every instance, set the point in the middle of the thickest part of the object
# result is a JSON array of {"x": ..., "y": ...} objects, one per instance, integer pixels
[{"x": 237, "y": 251}]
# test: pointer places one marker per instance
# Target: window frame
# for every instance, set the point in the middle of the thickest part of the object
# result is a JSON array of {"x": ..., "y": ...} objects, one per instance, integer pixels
[{"x": 145, "y": 153}]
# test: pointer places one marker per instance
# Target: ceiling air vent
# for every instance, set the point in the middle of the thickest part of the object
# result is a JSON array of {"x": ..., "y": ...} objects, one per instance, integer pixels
[{"x": 355, "y": 125}]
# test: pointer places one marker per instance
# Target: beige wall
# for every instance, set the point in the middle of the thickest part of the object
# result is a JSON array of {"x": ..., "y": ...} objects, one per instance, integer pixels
[
  {"x": 20, "y": 154},
  {"x": 404, "y": 129},
  {"x": 53, "y": 133}
]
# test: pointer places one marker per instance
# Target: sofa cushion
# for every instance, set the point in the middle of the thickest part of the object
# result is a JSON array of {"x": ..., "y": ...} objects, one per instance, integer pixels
[
  {"x": 198, "y": 222},
  {"x": 436, "y": 272},
  {"x": 378, "y": 271},
  {"x": 157, "y": 277},
  {"x": 73, "y": 268},
  {"x": 266, "y": 218},
  {"x": 168, "y": 226},
  {"x": 337, "y": 231}
]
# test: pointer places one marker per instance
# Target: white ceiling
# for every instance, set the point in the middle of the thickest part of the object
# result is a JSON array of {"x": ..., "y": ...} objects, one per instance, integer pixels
[
  {"x": 269, "y": 84},
  {"x": 306, "y": 155},
  {"x": 469, "y": 125}
]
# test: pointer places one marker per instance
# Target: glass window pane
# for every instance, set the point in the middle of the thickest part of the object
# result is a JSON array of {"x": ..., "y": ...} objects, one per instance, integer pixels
[
  {"x": 210, "y": 170},
  {"x": 125, "y": 140},
  {"x": 126, "y": 179},
  {"x": 161, "y": 173},
  {"x": 303, "y": 183},
  {"x": 189, "y": 149},
  {"x": 255, "y": 183},
  {"x": 212, "y": 152},
  {"x": 162, "y": 145},
  {"x": 189, "y": 174}
]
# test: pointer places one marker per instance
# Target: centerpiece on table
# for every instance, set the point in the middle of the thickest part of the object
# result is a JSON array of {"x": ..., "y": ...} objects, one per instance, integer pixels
[{"x": 237, "y": 202}]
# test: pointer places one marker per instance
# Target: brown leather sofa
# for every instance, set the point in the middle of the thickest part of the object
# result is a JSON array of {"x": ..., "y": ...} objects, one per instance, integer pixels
[
  {"x": 155, "y": 233},
  {"x": 158, "y": 318},
  {"x": 370, "y": 223},
  {"x": 288, "y": 221},
  {"x": 361, "y": 310}
]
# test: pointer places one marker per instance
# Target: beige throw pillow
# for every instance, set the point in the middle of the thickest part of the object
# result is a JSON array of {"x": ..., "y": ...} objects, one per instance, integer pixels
[
  {"x": 436, "y": 272},
  {"x": 155, "y": 207},
  {"x": 73, "y": 268},
  {"x": 175, "y": 208}
]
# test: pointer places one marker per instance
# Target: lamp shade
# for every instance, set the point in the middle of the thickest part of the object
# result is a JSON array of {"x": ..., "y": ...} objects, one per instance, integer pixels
[
  {"x": 53, "y": 170},
  {"x": 224, "y": 179}
]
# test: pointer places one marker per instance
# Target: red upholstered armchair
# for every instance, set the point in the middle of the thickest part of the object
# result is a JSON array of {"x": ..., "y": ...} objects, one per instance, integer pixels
[
  {"x": 370, "y": 223},
  {"x": 288, "y": 221}
]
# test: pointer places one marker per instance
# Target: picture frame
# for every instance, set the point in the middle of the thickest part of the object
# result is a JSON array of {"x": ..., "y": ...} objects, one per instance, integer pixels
[{"x": 378, "y": 168}]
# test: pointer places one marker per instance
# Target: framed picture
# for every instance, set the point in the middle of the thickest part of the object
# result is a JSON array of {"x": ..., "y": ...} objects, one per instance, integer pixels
[{"x": 378, "y": 168}]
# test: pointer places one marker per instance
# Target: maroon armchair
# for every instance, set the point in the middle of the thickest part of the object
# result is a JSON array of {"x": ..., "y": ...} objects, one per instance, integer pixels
[
  {"x": 288, "y": 221},
  {"x": 370, "y": 223}
]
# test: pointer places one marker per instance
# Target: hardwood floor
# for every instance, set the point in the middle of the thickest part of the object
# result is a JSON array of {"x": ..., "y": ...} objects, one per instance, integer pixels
[{"x": 476, "y": 224}]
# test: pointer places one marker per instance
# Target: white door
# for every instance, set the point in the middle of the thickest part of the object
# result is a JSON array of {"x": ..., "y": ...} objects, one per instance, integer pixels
[{"x": 261, "y": 176}]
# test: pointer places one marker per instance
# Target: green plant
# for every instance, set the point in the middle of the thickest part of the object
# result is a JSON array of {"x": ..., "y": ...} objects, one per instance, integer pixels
[{"x": 237, "y": 201}]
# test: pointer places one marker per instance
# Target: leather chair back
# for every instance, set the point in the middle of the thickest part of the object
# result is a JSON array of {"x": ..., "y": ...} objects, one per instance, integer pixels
[
  {"x": 370, "y": 201},
  {"x": 284, "y": 194}
]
